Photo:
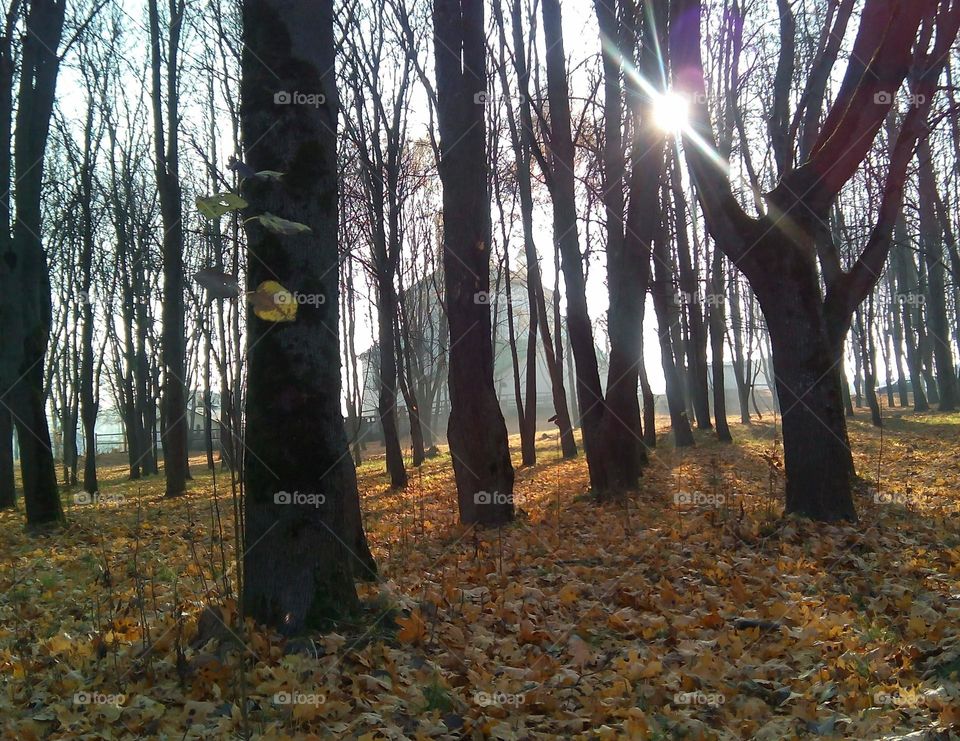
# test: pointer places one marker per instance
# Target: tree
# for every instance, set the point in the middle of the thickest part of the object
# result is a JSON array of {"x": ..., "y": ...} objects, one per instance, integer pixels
[
  {"x": 25, "y": 304},
  {"x": 779, "y": 252},
  {"x": 167, "y": 165},
  {"x": 304, "y": 538},
  {"x": 476, "y": 430}
]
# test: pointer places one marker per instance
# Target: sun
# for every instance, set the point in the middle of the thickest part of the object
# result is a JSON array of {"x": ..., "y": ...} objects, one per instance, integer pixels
[{"x": 671, "y": 111}]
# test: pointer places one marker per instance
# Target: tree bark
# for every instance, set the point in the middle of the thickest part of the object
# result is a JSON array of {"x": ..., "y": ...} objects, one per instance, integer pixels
[
  {"x": 481, "y": 456},
  {"x": 303, "y": 533}
]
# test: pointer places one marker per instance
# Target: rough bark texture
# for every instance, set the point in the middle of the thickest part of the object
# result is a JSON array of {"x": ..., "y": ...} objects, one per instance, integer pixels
[
  {"x": 476, "y": 430},
  {"x": 303, "y": 535}
]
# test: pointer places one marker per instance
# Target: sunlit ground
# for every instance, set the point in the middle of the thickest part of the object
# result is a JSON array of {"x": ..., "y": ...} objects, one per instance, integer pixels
[{"x": 690, "y": 607}]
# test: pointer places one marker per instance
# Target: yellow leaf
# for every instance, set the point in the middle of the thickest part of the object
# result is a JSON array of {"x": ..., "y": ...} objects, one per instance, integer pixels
[{"x": 273, "y": 303}]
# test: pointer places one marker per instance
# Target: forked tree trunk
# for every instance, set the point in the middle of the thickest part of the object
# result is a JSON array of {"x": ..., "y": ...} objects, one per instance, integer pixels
[
  {"x": 806, "y": 362},
  {"x": 476, "y": 430},
  {"x": 303, "y": 533}
]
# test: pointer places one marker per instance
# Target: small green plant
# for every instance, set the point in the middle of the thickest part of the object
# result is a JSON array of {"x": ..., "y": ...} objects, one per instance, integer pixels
[{"x": 436, "y": 697}]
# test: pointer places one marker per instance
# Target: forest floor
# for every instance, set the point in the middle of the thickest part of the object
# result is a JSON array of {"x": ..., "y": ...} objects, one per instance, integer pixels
[{"x": 691, "y": 609}]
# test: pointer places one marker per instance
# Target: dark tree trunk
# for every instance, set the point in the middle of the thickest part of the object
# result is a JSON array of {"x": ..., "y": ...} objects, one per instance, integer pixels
[
  {"x": 629, "y": 235},
  {"x": 568, "y": 444},
  {"x": 806, "y": 361},
  {"x": 907, "y": 303},
  {"x": 931, "y": 240},
  {"x": 868, "y": 361},
  {"x": 696, "y": 344},
  {"x": 717, "y": 322},
  {"x": 579, "y": 327},
  {"x": 523, "y": 139},
  {"x": 739, "y": 366},
  {"x": 663, "y": 299},
  {"x": 166, "y": 163},
  {"x": 25, "y": 304},
  {"x": 387, "y": 399},
  {"x": 8, "y": 488},
  {"x": 481, "y": 456},
  {"x": 303, "y": 532},
  {"x": 405, "y": 378}
]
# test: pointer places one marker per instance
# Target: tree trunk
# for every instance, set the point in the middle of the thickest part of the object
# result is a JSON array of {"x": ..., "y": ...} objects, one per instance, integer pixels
[
  {"x": 696, "y": 344},
  {"x": 303, "y": 532},
  {"x": 717, "y": 323},
  {"x": 931, "y": 240},
  {"x": 25, "y": 303},
  {"x": 387, "y": 399},
  {"x": 806, "y": 361},
  {"x": 663, "y": 299},
  {"x": 481, "y": 456},
  {"x": 166, "y": 163},
  {"x": 579, "y": 327},
  {"x": 8, "y": 488}
]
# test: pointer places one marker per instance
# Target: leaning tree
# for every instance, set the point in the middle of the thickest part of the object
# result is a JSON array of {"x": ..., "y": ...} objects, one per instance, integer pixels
[
  {"x": 476, "y": 430},
  {"x": 788, "y": 253}
]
